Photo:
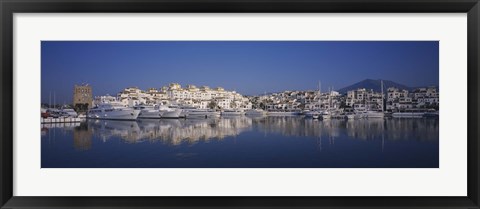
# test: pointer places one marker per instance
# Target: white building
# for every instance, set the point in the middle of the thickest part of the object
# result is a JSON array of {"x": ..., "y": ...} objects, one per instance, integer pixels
[
  {"x": 426, "y": 97},
  {"x": 189, "y": 95},
  {"x": 363, "y": 99}
]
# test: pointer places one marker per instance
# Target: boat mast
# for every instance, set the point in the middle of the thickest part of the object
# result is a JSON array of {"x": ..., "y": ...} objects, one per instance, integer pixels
[
  {"x": 319, "y": 95},
  {"x": 382, "y": 95},
  {"x": 331, "y": 94},
  {"x": 330, "y": 98},
  {"x": 265, "y": 101}
]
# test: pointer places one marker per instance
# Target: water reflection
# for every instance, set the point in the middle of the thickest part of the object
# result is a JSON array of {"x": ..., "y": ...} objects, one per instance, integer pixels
[
  {"x": 175, "y": 132},
  {"x": 391, "y": 129},
  {"x": 82, "y": 137},
  {"x": 242, "y": 142}
]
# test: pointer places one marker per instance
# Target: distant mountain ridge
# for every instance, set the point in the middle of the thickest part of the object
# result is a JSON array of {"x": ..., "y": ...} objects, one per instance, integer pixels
[{"x": 375, "y": 85}]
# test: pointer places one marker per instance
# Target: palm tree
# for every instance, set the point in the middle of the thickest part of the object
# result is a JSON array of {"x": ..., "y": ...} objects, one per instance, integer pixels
[{"x": 212, "y": 104}]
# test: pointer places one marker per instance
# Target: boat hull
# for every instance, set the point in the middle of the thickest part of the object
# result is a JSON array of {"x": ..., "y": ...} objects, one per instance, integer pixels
[
  {"x": 232, "y": 113},
  {"x": 255, "y": 113},
  {"x": 326, "y": 117},
  {"x": 115, "y": 115},
  {"x": 151, "y": 114},
  {"x": 351, "y": 117},
  {"x": 283, "y": 114},
  {"x": 408, "y": 115},
  {"x": 374, "y": 115},
  {"x": 311, "y": 114},
  {"x": 171, "y": 113},
  {"x": 202, "y": 114}
]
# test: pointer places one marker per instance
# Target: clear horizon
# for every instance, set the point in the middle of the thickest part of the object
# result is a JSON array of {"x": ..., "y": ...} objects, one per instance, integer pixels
[{"x": 248, "y": 67}]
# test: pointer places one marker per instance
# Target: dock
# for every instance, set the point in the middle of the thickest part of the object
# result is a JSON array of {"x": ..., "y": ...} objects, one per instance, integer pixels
[{"x": 60, "y": 120}]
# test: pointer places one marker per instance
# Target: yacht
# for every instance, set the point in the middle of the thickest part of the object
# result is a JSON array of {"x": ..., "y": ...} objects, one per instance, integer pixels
[
  {"x": 351, "y": 115},
  {"x": 310, "y": 113},
  {"x": 170, "y": 111},
  {"x": 68, "y": 113},
  {"x": 202, "y": 113},
  {"x": 316, "y": 113},
  {"x": 408, "y": 114},
  {"x": 82, "y": 116},
  {"x": 283, "y": 113},
  {"x": 233, "y": 112},
  {"x": 256, "y": 112},
  {"x": 185, "y": 110},
  {"x": 54, "y": 113},
  {"x": 325, "y": 115},
  {"x": 112, "y": 111},
  {"x": 374, "y": 114},
  {"x": 148, "y": 112},
  {"x": 360, "y": 113}
]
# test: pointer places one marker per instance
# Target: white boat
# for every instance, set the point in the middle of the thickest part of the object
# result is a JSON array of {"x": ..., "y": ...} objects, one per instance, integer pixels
[
  {"x": 360, "y": 114},
  {"x": 68, "y": 113},
  {"x": 148, "y": 112},
  {"x": 311, "y": 113},
  {"x": 326, "y": 115},
  {"x": 374, "y": 114},
  {"x": 202, "y": 113},
  {"x": 408, "y": 114},
  {"x": 255, "y": 112},
  {"x": 170, "y": 111},
  {"x": 53, "y": 112},
  {"x": 184, "y": 110},
  {"x": 316, "y": 114},
  {"x": 351, "y": 116},
  {"x": 112, "y": 111},
  {"x": 283, "y": 113},
  {"x": 233, "y": 112}
]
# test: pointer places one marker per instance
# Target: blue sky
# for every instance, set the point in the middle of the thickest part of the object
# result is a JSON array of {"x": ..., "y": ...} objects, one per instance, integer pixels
[{"x": 249, "y": 67}]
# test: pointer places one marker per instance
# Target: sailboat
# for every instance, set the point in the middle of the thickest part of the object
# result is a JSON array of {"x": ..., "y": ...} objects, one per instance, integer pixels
[
  {"x": 377, "y": 114},
  {"x": 326, "y": 114},
  {"x": 315, "y": 114}
]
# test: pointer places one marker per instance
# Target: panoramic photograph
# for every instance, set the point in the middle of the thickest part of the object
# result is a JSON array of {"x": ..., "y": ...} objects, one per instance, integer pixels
[{"x": 239, "y": 104}]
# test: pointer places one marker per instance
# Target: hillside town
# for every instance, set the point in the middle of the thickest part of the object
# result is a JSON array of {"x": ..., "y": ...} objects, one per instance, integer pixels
[{"x": 204, "y": 97}]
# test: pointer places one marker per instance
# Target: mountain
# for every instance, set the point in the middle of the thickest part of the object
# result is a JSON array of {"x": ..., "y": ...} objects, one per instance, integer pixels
[{"x": 375, "y": 85}]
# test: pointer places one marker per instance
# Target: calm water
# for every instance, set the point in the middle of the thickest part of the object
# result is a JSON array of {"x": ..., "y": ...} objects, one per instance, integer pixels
[{"x": 243, "y": 142}]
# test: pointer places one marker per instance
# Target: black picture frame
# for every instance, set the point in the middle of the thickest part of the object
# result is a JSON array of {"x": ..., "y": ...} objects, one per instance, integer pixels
[{"x": 9, "y": 7}]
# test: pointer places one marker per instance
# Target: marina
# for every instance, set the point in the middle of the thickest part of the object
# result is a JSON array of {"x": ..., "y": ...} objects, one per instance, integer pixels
[
  {"x": 324, "y": 109},
  {"x": 108, "y": 112},
  {"x": 174, "y": 101}
]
